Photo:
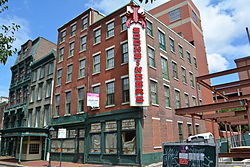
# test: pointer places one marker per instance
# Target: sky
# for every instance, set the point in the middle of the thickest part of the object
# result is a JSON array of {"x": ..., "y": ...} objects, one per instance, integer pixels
[{"x": 223, "y": 23}]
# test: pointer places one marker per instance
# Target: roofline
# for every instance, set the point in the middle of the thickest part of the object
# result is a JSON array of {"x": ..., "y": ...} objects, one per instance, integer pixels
[{"x": 241, "y": 59}]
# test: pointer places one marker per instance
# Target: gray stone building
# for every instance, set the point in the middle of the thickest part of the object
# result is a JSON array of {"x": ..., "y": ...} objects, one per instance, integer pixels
[{"x": 16, "y": 134}]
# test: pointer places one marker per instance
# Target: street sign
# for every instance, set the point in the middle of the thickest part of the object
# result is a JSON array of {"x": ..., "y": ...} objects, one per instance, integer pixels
[{"x": 61, "y": 133}]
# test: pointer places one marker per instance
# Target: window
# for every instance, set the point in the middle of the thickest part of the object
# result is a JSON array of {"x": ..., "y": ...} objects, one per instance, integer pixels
[
  {"x": 97, "y": 36},
  {"x": 180, "y": 129},
  {"x": 110, "y": 96},
  {"x": 194, "y": 16},
  {"x": 162, "y": 40},
  {"x": 186, "y": 100},
  {"x": 111, "y": 137},
  {"x": 30, "y": 118},
  {"x": 184, "y": 75},
  {"x": 63, "y": 35},
  {"x": 71, "y": 49},
  {"x": 32, "y": 94},
  {"x": 81, "y": 100},
  {"x": 46, "y": 115},
  {"x": 197, "y": 128},
  {"x": 83, "y": 45},
  {"x": 34, "y": 149},
  {"x": 40, "y": 91},
  {"x": 42, "y": 72},
  {"x": 189, "y": 58},
  {"x": 191, "y": 79},
  {"x": 181, "y": 52},
  {"x": 68, "y": 102},
  {"x": 37, "y": 122},
  {"x": 167, "y": 96},
  {"x": 95, "y": 138},
  {"x": 171, "y": 42},
  {"x": 174, "y": 15},
  {"x": 96, "y": 89},
  {"x": 57, "y": 108},
  {"x": 73, "y": 30},
  {"x": 128, "y": 136},
  {"x": 110, "y": 30},
  {"x": 123, "y": 23},
  {"x": 164, "y": 66},
  {"x": 154, "y": 92},
  {"x": 84, "y": 23},
  {"x": 125, "y": 90},
  {"x": 151, "y": 55},
  {"x": 125, "y": 52},
  {"x": 190, "y": 130},
  {"x": 61, "y": 54},
  {"x": 48, "y": 88},
  {"x": 18, "y": 96},
  {"x": 25, "y": 94},
  {"x": 177, "y": 99},
  {"x": 149, "y": 28},
  {"x": 96, "y": 64},
  {"x": 69, "y": 73},
  {"x": 110, "y": 58},
  {"x": 194, "y": 101},
  {"x": 195, "y": 62},
  {"x": 59, "y": 77},
  {"x": 200, "y": 102},
  {"x": 50, "y": 68},
  {"x": 34, "y": 75},
  {"x": 82, "y": 68},
  {"x": 175, "y": 70}
]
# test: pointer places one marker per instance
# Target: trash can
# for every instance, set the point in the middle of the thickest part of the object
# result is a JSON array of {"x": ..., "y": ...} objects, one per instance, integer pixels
[{"x": 189, "y": 155}]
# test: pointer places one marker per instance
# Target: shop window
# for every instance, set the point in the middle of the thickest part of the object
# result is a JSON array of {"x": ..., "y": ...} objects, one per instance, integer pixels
[
  {"x": 96, "y": 143},
  {"x": 128, "y": 136},
  {"x": 34, "y": 149},
  {"x": 68, "y": 146},
  {"x": 81, "y": 146},
  {"x": 111, "y": 137},
  {"x": 81, "y": 132}
]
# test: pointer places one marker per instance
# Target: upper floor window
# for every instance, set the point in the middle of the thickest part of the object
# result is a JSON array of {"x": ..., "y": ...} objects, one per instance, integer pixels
[
  {"x": 125, "y": 90},
  {"x": 191, "y": 79},
  {"x": 96, "y": 89},
  {"x": 110, "y": 29},
  {"x": 171, "y": 42},
  {"x": 189, "y": 58},
  {"x": 48, "y": 88},
  {"x": 84, "y": 23},
  {"x": 151, "y": 56},
  {"x": 123, "y": 23},
  {"x": 162, "y": 40},
  {"x": 32, "y": 94},
  {"x": 154, "y": 92},
  {"x": 68, "y": 102},
  {"x": 71, "y": 49},
  {"x": 110, "y": 93},
  {"x": 149, "y": 28},
  {"x": 40, "y": 91},
  {"x": 97, "y": 36},
  {"x": 110, "y": 58},
  {"x": 61, "y": 54},
  {"x": 186, "y": 100},
  {"x": 177, "y": 99},
  {"x": 42, "y": 72},
  {"x": 96, "y": 65},
  {"x": 57, "y": 105},
  {"x": 195, "y": 62},
  {"x": 167, "y": 96},
  {"x": 63, "y": 35},
  {"x": 59, "y": 77},
  {"x": 184, "y": 75},
  {"x": 69, "y": 73},
  {"x": 81, "y": 100},
  {"x": 50, "y": 68},
  {"x": 194, "y": 101},
  {"x": 174, "y": 15},
  {"x": 164, "y": 66},
  {"x": 181, "y": 51},
  {"x": 73, "y": 30},
  {"x": 175, "y": 70},
  {"x": 83, "y": 45},
  {"x": 125, "y": 52},
  {"x": 82, "y": 68},
  {"x": 194, "y": 16}
]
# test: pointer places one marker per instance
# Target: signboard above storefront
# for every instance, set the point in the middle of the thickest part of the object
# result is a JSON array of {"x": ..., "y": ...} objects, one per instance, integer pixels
[
  {"x": 62, "y": 133},
  {"x": 138, "y": 66}
]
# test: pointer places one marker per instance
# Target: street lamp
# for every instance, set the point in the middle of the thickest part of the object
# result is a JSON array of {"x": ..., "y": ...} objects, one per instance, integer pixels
[{"x": 51, "y": 129}]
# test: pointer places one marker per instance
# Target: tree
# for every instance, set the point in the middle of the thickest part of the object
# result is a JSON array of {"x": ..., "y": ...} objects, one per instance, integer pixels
[
  {"x": 146, "y": 1},
  {"x": 7, "y": 37}
]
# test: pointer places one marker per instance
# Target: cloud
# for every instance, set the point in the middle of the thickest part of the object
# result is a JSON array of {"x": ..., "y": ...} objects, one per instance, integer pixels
[{"x": 217, "y": 62}]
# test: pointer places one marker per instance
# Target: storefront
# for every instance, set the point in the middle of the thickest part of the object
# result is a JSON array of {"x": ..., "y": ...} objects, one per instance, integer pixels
[{"x": 107, "y": 138}]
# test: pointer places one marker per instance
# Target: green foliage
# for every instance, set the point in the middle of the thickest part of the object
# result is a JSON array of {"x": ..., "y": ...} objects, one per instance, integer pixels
[{"x": 7, "y": 36}]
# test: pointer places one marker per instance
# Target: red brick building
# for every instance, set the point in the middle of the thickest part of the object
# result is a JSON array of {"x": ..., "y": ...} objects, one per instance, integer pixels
[{"x": 93, "y": 58}]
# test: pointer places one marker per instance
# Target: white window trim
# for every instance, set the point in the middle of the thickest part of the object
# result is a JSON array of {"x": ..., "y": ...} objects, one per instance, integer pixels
[
  {"x": 82, "y": 58},
  {"x": 171, "y": 38},
  {"x": 99, "y": 27},
  {"x": 68, "y": 90},
  {"x": 112, "y": 20},
  {"x": 169, "y": 120},
  {"x": 151, "y": 47},
  {"x": 197, "y": 124},
  {"x": 154, "y": 118},
  {"x": 97, "y": 84},
  {"x": 124, "y": 76},
  {"x": 63, "y": 30},
  {"x": 191, "y": 72},
  {"x": 186, "y": 93},
  {"x": 149, "y": 20},
  {"x": 84, "y": 16},
  {"x": 122, "y": 14},
  {"x": 111, "y": 80},
  {"x": 181, "y": 122},
  {"x": 111, "y": 47},
  {"x": 166, "y": 85},
  {"x": 97, "y": 53},
  {"x": 177, "y": 89},
  {"x": 84, "y": 34},
  {"x": 165, "y": 57},
  {"x": 180, "y": 45},
  {"x": 123, "y": 42},
  {"x": 81, "y": 86},
  {"x": 154, "y": 80},
  {"x": 183, "y": 67},
  {"x": 189, "y": 123},
  {"x": 194, "y": 97},
  {"x": 161, "y": 30},
  {"x": 73, "y": 24},
  {"x": 174, "y": 62}
]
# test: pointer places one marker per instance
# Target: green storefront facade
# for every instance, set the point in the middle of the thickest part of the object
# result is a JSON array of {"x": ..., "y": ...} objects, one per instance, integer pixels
[{"x": 88, "y": 134}]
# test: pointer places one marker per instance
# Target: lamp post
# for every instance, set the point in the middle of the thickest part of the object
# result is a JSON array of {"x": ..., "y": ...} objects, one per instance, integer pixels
[{"x": 51, "y": 129}]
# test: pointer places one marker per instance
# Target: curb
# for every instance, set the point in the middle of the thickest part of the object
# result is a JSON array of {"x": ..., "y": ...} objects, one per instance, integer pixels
[{"x": 12, "y": 165}]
